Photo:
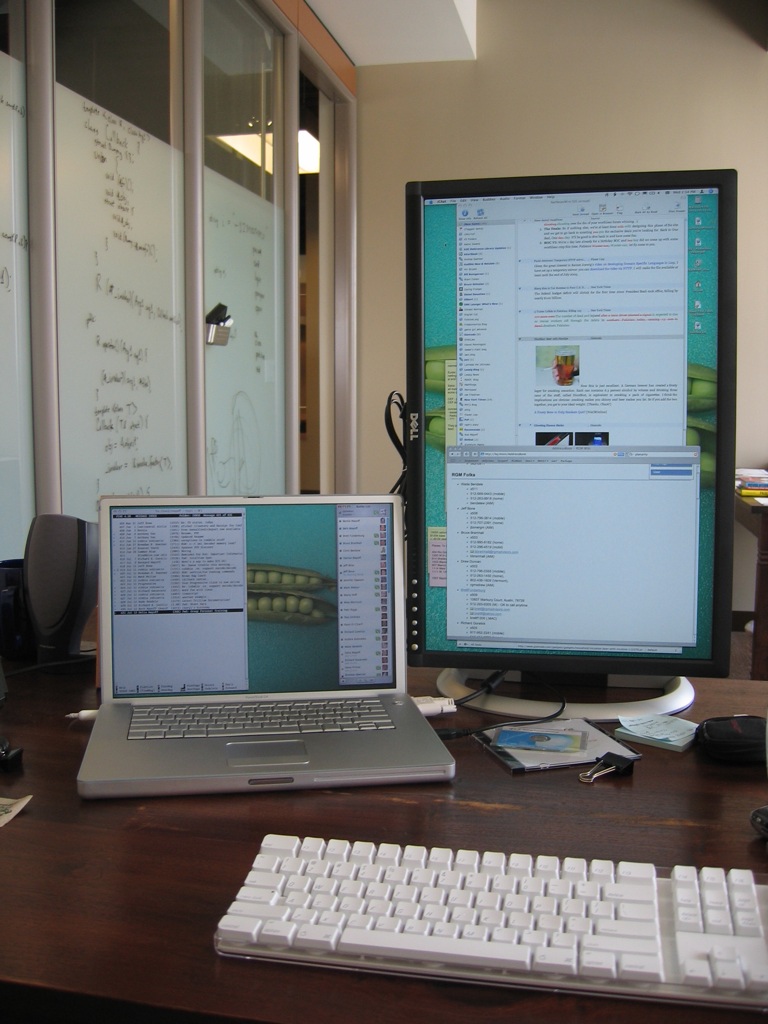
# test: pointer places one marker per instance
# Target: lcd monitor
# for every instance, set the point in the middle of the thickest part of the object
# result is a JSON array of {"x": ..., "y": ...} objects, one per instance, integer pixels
[{"x": 571, "y": 360}]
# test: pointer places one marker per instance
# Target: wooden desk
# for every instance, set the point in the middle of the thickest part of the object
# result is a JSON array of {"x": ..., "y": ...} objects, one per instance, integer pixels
[
  {"x": 754, "y": 516},
  {"x": 108, "y": 908}
]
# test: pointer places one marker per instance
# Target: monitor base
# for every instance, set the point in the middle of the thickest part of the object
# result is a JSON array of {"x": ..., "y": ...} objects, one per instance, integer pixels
[{"x": 677, "y": 696}]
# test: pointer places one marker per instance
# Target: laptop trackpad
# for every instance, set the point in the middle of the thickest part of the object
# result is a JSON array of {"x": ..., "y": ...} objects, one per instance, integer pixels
[{"x": 266, "y": 752}]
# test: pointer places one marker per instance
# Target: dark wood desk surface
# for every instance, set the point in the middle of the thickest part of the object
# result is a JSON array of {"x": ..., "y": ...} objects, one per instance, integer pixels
[{"x": 108, "y": 908}]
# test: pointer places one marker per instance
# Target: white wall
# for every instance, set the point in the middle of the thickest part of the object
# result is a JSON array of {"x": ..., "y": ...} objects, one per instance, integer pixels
[{"x": 568, "y": 86}]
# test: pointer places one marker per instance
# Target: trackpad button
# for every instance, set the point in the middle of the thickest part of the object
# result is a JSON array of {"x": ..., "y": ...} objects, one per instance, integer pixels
[{"x": 266, "y": 752}]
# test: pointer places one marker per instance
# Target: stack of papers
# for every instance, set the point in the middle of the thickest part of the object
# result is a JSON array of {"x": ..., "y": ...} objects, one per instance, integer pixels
[
  {"x": 752, "y": 483},
  {"x": 658, "y": 731}
]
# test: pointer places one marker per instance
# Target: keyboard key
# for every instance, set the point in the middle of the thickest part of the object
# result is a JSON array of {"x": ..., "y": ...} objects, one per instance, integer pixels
[
  {"x": 554, "y": 960},
  {"x": 718, "y": 922},
  {"x": 685, "y": 875},
  {"x": 622, "y": 929},
  {"x": 597, "y": 964},
  {"x": 635, "y": 912},
  {"x": 389, "y": 855},
  {"x": 237, "y": 928},
  {"x": 520, "y": 864},
  {"x": 574, "y": 868},
  {"x": 640, "y": 874},
  {"x": 689, "y": 919},
  {"x": 696, "y": 972},
  {"x": 317, "y": 936},
  {"x": 265, "y": 880},
  {"x": 277, "y": 933},
  {"x": 747, "y": 923},
  {"x": 756, "y": 977},
  {"x": 467, "y": 860},
  {"x": 640, "y": 967},
  {"x": 287, "y": 846},
  {"x": 363, "y": 853},
  {"x": 493, "y": 863},
  {"x": 620, "y": 944},
  {"x": 440, "y": 859},
  {"x": 449, "y": 950},
  {"x": 628, "y": 892},
  {"x": 415, "y": 857},
  {"x": 547, "y": 867},
  {"x": 337, "y": 850},
  {"x": 727, "y": 974},
  {"x": 601, "y": 871}
]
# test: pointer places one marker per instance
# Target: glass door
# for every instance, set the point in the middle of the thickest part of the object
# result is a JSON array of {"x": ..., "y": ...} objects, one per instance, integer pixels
[{"x": 243, "y": 230}]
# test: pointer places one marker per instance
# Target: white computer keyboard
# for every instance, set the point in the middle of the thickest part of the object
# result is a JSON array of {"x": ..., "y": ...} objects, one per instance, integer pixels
[{"x": 625, "y": 928}]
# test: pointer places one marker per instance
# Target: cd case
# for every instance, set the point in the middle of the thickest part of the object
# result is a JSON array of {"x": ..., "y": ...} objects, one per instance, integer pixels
[{"x": 557, "y": 744}]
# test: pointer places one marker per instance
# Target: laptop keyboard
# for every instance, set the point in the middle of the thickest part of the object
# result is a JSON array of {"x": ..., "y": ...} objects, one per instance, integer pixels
[
  {"x": 624, "y": 929},
  {"x": 265, "y": 718}
]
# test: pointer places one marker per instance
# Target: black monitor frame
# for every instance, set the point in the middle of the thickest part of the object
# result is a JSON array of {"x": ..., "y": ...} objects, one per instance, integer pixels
[{"x": 562, "y": 667}]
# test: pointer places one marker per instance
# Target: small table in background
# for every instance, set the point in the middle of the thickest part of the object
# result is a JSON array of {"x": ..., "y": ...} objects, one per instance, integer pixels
[{"x": 754, "y": 516}]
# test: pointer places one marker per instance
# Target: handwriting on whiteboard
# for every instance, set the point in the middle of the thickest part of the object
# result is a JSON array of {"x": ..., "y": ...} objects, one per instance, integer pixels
[{"x": 121, "y": 348}]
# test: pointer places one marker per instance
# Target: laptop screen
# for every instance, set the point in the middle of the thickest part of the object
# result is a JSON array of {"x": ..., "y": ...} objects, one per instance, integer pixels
[{"x": 250, "y": 596}]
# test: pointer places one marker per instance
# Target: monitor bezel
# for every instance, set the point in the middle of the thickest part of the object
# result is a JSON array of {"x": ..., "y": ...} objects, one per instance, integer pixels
[{"x": 565, "y": 665}]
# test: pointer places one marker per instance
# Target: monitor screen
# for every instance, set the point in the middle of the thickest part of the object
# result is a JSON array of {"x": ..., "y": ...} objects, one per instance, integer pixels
[{"x": 571, "y": 419}]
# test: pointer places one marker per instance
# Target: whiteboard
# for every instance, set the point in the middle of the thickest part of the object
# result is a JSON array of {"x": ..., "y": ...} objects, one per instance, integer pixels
[
  {"x": 119, "y": 260},
  {"x": 16, "y": 459},
  {"x": 244, "y": 379}
]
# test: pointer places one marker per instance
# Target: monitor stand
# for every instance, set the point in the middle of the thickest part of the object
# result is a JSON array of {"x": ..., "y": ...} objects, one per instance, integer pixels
[{"x": 677, "y": 696}]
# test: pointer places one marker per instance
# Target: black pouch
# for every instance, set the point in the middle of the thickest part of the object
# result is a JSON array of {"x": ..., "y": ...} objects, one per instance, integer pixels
[{"x": 739, "y": 739}]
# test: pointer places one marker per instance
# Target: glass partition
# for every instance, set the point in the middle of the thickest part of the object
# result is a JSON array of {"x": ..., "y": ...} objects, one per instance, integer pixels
[
  {"x": 16, "y": 481},
  {"x": 243, "y": 252},
  {"x": 119, "y": 235}
]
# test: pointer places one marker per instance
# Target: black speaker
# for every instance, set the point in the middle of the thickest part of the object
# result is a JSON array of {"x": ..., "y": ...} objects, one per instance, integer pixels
[
  {"x": 17, "y": 642},
  {"x": 61, "y": 568}
]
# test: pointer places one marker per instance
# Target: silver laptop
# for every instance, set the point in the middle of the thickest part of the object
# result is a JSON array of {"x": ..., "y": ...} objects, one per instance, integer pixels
[{"x": 253, "y": 644}]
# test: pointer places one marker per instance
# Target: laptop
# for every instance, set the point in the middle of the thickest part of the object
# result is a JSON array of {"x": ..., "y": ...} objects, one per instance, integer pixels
[{"x": 250, "y": 644}]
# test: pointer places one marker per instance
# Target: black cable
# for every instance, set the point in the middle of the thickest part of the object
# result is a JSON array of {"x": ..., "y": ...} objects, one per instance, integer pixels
[
  {"x": 488, "y": 686},
  {"x": 395, "y": 400},
  {"x": 455, "y": 734},
  {"x": 42, "y": 666}
]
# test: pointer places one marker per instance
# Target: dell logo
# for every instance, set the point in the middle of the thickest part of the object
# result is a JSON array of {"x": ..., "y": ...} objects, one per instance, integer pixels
[{"x": 413, "y": 433}]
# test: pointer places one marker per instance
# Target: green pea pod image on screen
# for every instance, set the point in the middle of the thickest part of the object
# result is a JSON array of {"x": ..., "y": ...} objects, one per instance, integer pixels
[
  {"x": 286, "y": 577},
  {"x": 434, "y": 366},
  {"x": 702, "y": 388},
  {"x": 294, "y": 608}
]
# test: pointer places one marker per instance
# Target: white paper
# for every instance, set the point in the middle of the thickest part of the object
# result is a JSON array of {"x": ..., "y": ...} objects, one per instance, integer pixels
[
  {"x": 10, "y": 808},
  {"x": 659, "y": 727}
]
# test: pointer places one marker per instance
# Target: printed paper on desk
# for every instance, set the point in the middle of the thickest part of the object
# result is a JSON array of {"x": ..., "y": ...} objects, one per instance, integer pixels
[{"x": 10, "y": 808}]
